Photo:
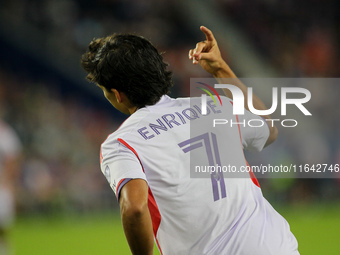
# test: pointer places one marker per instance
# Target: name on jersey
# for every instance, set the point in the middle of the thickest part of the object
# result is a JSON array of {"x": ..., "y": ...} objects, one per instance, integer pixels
[{"x": 175, "y": 119}]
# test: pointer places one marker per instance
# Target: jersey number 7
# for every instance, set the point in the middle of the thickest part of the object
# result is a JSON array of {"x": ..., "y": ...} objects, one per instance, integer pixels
[{"x": 209, "y": 142}]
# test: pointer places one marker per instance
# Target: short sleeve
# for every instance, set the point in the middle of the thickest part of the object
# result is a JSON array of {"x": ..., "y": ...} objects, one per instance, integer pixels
[
  {"x": 254, "y": 131},
  {"x": 120, "y": 165}
]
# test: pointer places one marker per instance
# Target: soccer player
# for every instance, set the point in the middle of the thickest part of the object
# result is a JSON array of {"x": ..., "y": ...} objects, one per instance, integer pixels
[
  {"x": 10, "y": 148},
  {"x": 147, "y": 160}
]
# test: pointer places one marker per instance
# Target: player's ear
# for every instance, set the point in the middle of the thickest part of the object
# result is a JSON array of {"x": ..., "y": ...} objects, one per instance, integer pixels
[{"x": 118, "y": 95}]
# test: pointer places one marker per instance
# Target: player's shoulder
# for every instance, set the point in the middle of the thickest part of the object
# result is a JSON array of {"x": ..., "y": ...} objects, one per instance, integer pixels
[
  {"x": 125, "y": 131},
  {"x": 128, "y": 130},
  {"x": 113, "y": 144},
  {"x": 167, "y": 102}
]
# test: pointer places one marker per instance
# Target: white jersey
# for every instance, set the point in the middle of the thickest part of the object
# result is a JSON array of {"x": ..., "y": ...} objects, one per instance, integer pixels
[{"x": 212, "y": 213}]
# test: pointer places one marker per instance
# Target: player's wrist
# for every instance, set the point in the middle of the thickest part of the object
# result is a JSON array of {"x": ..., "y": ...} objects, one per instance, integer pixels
[{"x": 223, "y": 71}]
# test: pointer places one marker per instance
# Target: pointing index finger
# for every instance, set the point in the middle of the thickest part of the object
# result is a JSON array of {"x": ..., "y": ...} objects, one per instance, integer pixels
[{"x": 208, "y": 34}]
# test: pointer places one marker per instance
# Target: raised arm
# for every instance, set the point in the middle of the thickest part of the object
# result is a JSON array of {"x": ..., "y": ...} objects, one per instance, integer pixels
[{"x": 208, "y": 55}]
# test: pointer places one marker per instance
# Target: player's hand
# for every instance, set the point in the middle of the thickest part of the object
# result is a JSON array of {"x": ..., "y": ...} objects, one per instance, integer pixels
[{"x": 207, "y": 53}]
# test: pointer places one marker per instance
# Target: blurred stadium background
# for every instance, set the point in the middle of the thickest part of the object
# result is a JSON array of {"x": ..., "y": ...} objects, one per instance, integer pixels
[{"x": 64, "y": 205}]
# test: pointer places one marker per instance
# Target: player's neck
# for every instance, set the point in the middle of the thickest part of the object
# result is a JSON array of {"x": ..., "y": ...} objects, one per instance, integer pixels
[{"x": 132, "y": 109}]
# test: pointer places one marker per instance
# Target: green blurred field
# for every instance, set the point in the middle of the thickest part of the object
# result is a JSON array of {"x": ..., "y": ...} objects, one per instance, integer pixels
[
  {"x": 71, "y": 235},
  {"x": 317, "y": 228}
]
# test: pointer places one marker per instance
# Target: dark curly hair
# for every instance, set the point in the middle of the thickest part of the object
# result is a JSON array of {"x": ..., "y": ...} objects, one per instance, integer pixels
[{"x": 130, "y": 64}]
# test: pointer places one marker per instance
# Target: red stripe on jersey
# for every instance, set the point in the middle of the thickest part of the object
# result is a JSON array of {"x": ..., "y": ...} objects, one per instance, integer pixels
[
  {"x": 153, "y": 208},
  {"x": 131, "y": 149},
  {"x": 252, "y": 175},
  {"x": 100, "y": 156},
  {"x": 155, "y": 216}
]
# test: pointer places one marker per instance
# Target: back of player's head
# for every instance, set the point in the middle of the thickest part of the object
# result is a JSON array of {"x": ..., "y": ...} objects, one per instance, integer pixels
[{"x": 130, "y": 64}]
